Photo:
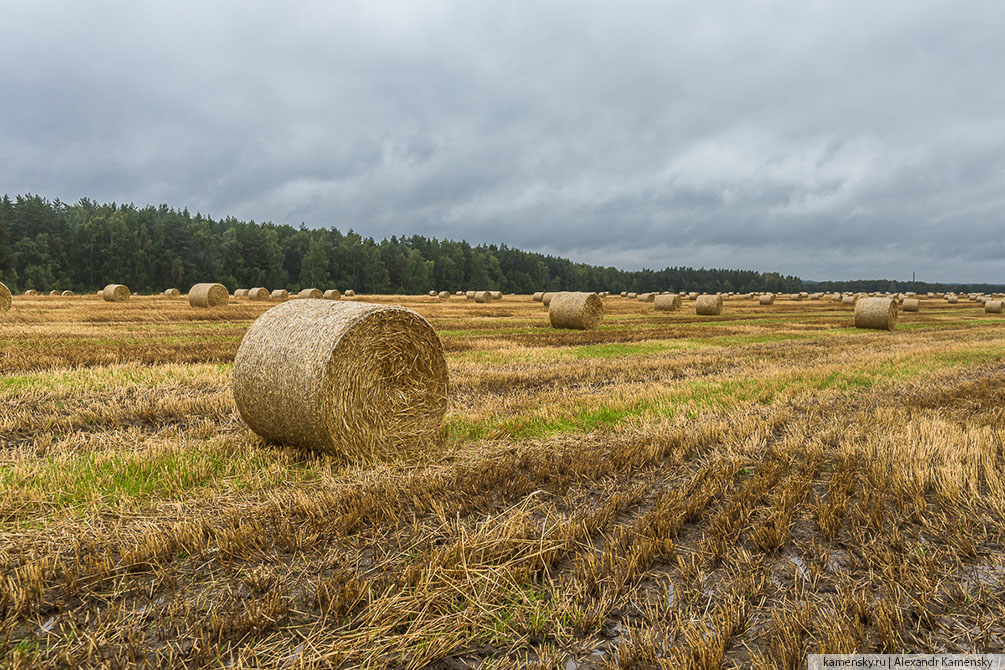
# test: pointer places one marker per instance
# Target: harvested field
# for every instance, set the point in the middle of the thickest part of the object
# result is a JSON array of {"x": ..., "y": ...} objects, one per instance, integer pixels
[{"x": 667, "y": 490}]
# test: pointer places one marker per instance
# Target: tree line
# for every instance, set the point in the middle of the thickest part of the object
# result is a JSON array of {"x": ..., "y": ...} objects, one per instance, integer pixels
[{"x": 47, "y": 244}]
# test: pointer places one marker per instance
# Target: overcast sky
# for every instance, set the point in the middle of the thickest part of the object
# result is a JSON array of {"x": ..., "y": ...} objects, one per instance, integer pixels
[{"x": 831, "y": 140}]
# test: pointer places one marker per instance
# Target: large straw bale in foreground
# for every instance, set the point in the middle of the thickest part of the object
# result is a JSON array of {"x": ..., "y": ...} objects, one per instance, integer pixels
[
  {"x": 313, "y": 293},
  {"x": 666, "y": 303},
  {"x": 348, "y": 378},
  {"x": 708, "y": 305},
  {"x": 911, "y": 304},
  {"x": 993, "y": 307},
  {"x": 877, "y": 313},
  {"x": 5, "y": 298},
  {"x": 208, "y": 295},
  {"x": 116, "y": 293},
  {"x": 767, "y": 299},
  {"x": 578, "y": 310}
]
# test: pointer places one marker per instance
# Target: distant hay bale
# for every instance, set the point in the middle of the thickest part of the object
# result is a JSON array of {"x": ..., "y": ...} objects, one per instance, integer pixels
[
  {"x": 876, "y": 313},
  {"x": 708, "y": 305},
  {"x": 432, "y": 294},
  {"x": 952, "y": 299},
  {"x": 116, "y": 293},
  {"x": 546, "y": 298},
  {"x": 259, "y": 293},
  {"x": 172, "y": 293},
  {"x": 577, "y": 310},
  {"x": 332, "y": 294},
  {"x": 470, "y": 295},
  {"x": 358, "y": 380},
  {"x": 693, "y": 295},
  {"x": 66, "y": 293},
  {"x": 5, "y": 298},
  {"x": 538, "y": 295},
  {"x": 647, "y": 297},
  {"x": 31, "y": 292},
  {"x": 444, "y": 295},
  {"x": 666, "y": 303},
  {"x": 208, "y": 295},
  {"x": 632, "y": 295},
  {"x": 496, "y": 295},
  {"x": 797, "y": 296},
  {"x": 459, "y": 293},
  {"x": 624, "y": 294},
  {"x": 911, "y": 304},
  {"x": 350, "y": 293},
  {"x": 241, "y": 293},
  {"x": 54, "y": 292},
  {"x": 483, "y": 296},
  {"x": 993, "y": 307},
  {"x": 280, "y": 294},
  {"x": 837, "y": 297},
  {"x": 312, "y": 293},
  {"x": 848, "y": 300},
  {"x": 767, "y": 299}
]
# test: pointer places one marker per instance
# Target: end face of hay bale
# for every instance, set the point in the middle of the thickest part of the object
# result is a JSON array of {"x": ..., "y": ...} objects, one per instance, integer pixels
[
  {"x": 5, "y": 298},
  {"x": 432, "y": 294},
  {"x": 332, "y": 294},
  {"x": 577, "y": 310},
  {"x": 767, "y": 299},
  {"x": 313, "y": 293},
  {"x": 666, "y": 303},
  {"x": 993, "y": 307},
  {"x": 116, "y": 293},
  {"x": 66, "y": 294},
  {"x": 208, "y": 295},
  {"x": 911, "y": 304},
  {"x": 54, "y": 292},
  {"x": 876, "y": 313},
  {"x": 708, "y": 305},
  {"x": 355, "y": 379}
]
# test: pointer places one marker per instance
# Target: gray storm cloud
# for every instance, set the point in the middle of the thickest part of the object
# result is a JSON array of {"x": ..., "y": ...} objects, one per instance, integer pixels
[{"x": 828, "y": 140}]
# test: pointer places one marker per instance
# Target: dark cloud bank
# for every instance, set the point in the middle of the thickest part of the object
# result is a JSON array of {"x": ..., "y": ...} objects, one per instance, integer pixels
[{"x": 829, "y": 140}]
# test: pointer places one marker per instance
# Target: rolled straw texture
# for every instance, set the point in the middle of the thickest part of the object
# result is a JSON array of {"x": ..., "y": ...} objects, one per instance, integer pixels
[
  {"x": 708, "y": 305},
  {"x": 208, "y": 295},
  {"x": 5, "y": 298},
  {"x": 314, "y": 293},
  {"x": 347, "y": 378},
  {"x": 332, "y": 294},
  {"x": 259, "y": 293},
  {"x": 911, "y": 305},
  {"x": 116, "y": 293},
  {"x": 767, "y": 299},
  {"x": 876, "y": 313},
  {"x": 578, "y": 310},
  {"x": 172, "y": 292},
  {"x": 666, "y": 303}
]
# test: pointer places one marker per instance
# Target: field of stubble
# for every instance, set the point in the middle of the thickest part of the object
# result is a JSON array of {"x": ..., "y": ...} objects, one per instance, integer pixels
[{"x": 668, "y": 491}]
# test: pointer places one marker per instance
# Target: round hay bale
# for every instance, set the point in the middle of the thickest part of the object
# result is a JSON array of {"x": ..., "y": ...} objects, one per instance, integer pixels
[
  {"x": 496, "y": 295},
  {"x": 350, "y": 293},
  {"x": 546, "y": 298},
  {"x": 538, "y": 295},
  {"x": 666, "y": 303},
  {"x": 646, "y": 297},
  {"x": 5, "y": 298},
  {"x": 578, "y": 310},
  {"x": 632, "y": 295},
  {"x": 848, "y": 300},
  {"x": 624, "y": 294},
  {"x": 241, "y": 293},
  {"x": 470, "y": 295},
  {"x": 444, "y": 295},
  {"x": 433, "y": 294},
  {"x": 767, "y": 299},
  {"x": 259, "y": 293},
  {"x": 116, "y": 293},
  {"x": 459, "y": 293},
  {"x": 952, "y": 299},
  {"x": 280, "y": 294},
  {"x": 54, "y": 292},
  {"x": 877, "y": 313},
  {"x": 208, "y": 295},
  {"x": 911, "y": 304},
  {"x": 332, "y": 294},
  {"x": 482, "y": 296},
  {"x": 313, "y": 293},
  {"x": 348, "y": 378},
  {"x": 993, "y": 307},
  {"x": 66, "y": 294},
  {"x": 708, "y": 305},
  {"x": 172, "y": 293},
  {"x": 30, "y": 292}
]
